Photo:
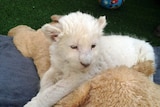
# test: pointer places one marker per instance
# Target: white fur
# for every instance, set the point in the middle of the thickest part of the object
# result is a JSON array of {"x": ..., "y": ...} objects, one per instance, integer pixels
[{"x": 71, "y": 67}]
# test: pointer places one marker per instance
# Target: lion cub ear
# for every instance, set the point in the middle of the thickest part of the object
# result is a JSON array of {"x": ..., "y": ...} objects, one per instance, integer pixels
[
  {"x": 102, "y": 21},
  {"x": 52, "y": 31}
]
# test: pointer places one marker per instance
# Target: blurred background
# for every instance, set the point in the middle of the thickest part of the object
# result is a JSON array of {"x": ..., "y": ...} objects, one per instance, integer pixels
[{"x": 135, "y": 17}]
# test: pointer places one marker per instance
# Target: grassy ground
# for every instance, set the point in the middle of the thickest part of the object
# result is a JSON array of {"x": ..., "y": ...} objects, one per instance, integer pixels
[{"x": 135, "y": 17}]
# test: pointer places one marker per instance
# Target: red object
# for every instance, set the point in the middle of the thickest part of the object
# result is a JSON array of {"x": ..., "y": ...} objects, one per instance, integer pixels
[{"x": 114, "y": 1}]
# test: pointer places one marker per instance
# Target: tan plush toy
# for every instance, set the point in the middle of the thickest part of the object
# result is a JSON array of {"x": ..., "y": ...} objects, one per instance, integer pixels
[
  {"x": 118, "y": 87},
  {"x": 32, "y": 43}
]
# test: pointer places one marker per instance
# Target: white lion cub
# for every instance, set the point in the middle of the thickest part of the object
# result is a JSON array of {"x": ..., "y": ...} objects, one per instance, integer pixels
[{"x": 79, "y": 51}]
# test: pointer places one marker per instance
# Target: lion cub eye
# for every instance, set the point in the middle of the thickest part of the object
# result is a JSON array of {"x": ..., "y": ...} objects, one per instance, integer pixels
[
  {"x": 93, "y": 46},
  {"x": 74, "y": 47}
]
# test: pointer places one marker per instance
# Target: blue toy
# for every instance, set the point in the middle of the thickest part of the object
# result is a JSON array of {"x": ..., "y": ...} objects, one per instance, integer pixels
[{"x": 111, "y": 4}]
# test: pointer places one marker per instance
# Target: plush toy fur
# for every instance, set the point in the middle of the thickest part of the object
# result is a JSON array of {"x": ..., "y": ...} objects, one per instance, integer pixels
[
  {"x": 32, "y": 43},
  {"x": 117, "y": 87}
]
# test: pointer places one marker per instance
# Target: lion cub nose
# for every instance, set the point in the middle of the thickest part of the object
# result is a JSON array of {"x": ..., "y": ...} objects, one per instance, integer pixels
[{"x": 85, "y": 65}]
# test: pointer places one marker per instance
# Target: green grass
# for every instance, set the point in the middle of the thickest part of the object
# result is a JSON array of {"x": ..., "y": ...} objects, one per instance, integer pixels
[{"x": 135, "y": 17}]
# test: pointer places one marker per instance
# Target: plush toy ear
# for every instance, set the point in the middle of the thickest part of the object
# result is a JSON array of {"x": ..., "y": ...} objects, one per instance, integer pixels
[
  {"x": 52, "y": 31},
  {"x": 146, "y": 67},
  {"x": 55, "y": 18},
  {"x": 102, "y": 22}
]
